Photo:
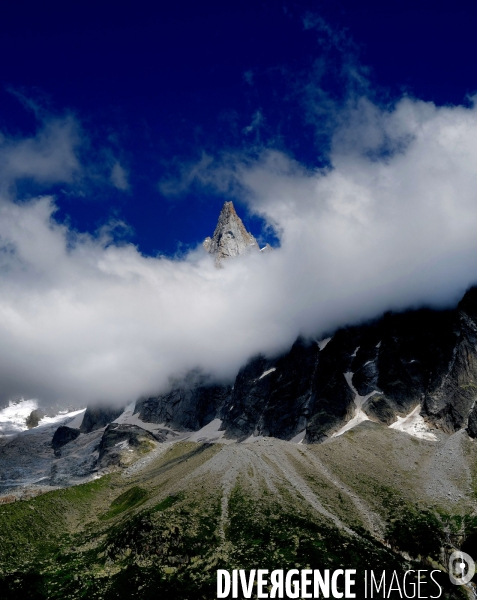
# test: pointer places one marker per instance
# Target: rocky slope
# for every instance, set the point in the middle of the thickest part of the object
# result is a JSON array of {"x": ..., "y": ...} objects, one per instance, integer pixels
[{"x": 162, "y": 527}]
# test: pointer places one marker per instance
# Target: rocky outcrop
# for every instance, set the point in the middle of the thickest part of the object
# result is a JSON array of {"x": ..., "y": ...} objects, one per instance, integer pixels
[
  {"x": 333, "y": 400},
  {"x": 121, "y": 444},
  {"x": 230, "y": 236},
  {"x": 97, "y": 417},
  {"x": 62, "y": 436},
  {"x": 472, "y": 422},
  {"x": 449, "y": 404},
  {"x": 244, "y": 413},
  {"x": 192, "y": 403},
  {"x": 34, "y": 418},
  {"x": 380, "y": 409}
]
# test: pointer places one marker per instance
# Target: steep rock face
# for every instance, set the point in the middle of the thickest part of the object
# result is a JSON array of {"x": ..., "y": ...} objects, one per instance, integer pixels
[
  {"x": 96, "y": 417},
  {"x": 62, "y": 436},
  {"x": 288, "y": 407},
  {"x": 243, "y": 415},
  {"x": 472, "y": 423},
  {"x": 420, "y": 357},
  {"x": 332, "y": 401},
  {"x": 230, "y": 236},
  {"x": 271, "y": 396},
  {"x": 302, "y": 389},
  {"x": 450, "y": 405},
  {"x": 192, "y": 403},
  {"x": 415, "y": 350}
]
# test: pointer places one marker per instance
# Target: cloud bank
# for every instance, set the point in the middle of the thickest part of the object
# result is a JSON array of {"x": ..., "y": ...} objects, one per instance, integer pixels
[{"x": 392, "y": 223}]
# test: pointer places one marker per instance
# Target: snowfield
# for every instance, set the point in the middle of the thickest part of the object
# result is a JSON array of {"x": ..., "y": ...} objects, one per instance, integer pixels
[{"x": 13, "y": 417}]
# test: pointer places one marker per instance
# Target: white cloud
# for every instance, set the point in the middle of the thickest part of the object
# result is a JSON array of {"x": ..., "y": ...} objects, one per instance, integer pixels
[
  {"x": 391, "y": 224},
  {"x": 119, "y": 177},
  {"x": 49, "y": 156},
  {"x": 189, "y": 173},
  {"x": 257, "y": 122}
]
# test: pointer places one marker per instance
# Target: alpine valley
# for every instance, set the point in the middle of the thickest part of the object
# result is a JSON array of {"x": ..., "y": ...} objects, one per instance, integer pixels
[{"x": 357, "y": 451}]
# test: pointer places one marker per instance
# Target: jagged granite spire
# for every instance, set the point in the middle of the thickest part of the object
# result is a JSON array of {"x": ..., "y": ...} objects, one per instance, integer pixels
[{"x": 230, "y": 236}]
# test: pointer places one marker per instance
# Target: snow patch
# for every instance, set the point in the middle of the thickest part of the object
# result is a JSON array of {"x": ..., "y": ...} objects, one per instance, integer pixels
[
  {"x": 126, "y": 418},
  {"x": 299, "y": 437},
  {"x": 414, "y": 425},
  {"x": 77, "y": 420},
  {"x": 265, "y": 373},
  {"x": 208, "y": 433},
  {"x": 359, "y": 414},
  {"x": 128, "y": 412},
  {"x": 61, "y": 418},
  {"x": 13, "y": 417},
  {"x": 356, "y": 351},
  {"x": 253, "y": 438},
  {"x": 323, "y": 343},
  {"x": 124, "y": 445}
]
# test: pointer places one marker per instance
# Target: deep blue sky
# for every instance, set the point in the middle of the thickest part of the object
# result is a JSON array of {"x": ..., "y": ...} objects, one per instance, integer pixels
[{"x": 159, "y": 83}]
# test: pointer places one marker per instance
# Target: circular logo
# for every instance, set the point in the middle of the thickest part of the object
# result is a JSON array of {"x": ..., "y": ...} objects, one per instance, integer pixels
[{"x": 461, "y": 568}]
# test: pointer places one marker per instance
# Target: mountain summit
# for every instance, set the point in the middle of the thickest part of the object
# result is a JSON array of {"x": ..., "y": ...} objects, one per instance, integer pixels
[{"x": 230, "y": 236}]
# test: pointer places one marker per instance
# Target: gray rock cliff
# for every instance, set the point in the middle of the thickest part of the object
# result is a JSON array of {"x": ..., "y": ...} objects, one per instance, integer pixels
[
  {"x": 191, "y": 403},
  {"x": 62, "y": 436},
  {"x": 230, "y": 236},
  {"x": 97, "y": 417}
]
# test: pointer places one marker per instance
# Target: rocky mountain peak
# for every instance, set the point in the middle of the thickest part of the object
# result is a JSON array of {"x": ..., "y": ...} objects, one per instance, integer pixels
[{"x": 230, "y": 236}]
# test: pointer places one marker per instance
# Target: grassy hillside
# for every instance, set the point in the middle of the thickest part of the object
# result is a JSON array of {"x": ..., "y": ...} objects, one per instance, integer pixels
[{"x": 365, "y": 500}]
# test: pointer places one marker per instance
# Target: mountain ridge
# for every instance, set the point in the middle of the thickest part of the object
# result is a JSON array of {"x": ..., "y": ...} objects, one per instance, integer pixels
[
  {"x": 381, "y": 370},
  {"x": 357, "y": 450}
]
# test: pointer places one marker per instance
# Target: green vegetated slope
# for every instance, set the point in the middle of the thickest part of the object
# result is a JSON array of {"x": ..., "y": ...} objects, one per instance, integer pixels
[{"x": 365, "y": 500}]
